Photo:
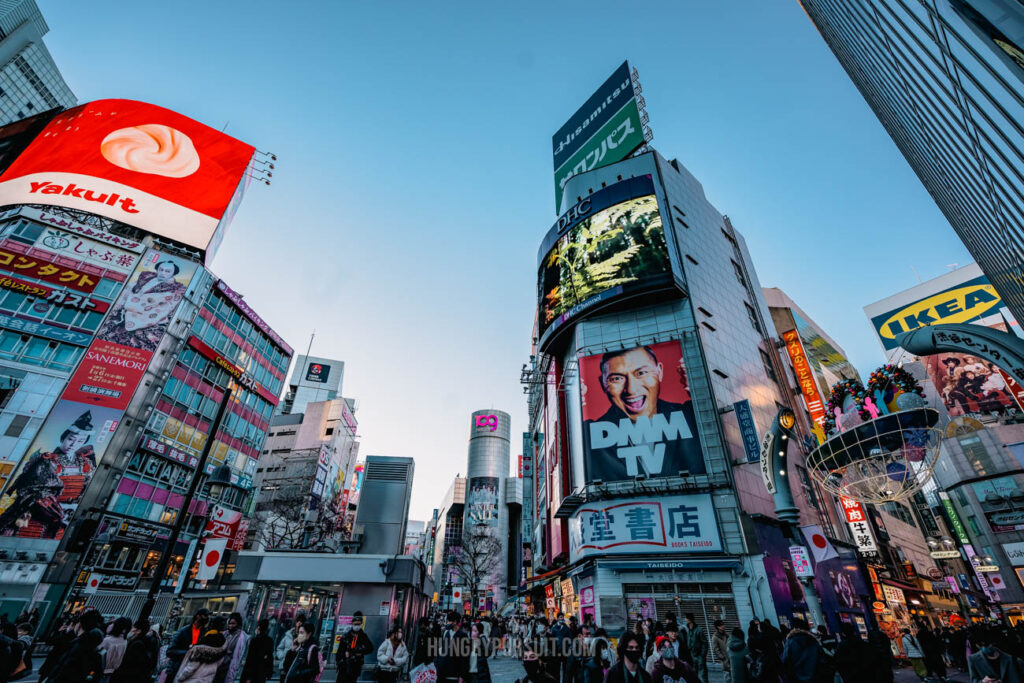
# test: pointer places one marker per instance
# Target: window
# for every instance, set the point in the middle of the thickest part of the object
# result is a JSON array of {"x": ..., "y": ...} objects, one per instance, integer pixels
[
  {"x": 705, "y": 311},
  {"x": 17, "y": 425},
  {"x": 752, "y": 317},
  {"x": 681, "y": 212},
  {"x": 738, "y": 270},
  {"x": 707, "y": 326},
  {"x": 769, "y": 369},
  {"x": 730, "y": 238},
  {"x": 330, "y": 431},
  {"x": 720, "y": 373},
  {"x": 692, "y": 260}
]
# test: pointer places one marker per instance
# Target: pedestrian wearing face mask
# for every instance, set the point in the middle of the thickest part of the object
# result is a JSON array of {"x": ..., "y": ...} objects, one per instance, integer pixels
[
  {"x": 535, "y": 671},
  {"x": 579, "y": 655},
  {"x": 992, "y": 665},
  {"x": 235, "y": 643},
  {"x": 352, "y": 648},
  {"x": 669, "y": 669},
  {"x": 302, "y": 664},
  {"x": 600, "y": 661},
  {"x": 628, "y": 669}
]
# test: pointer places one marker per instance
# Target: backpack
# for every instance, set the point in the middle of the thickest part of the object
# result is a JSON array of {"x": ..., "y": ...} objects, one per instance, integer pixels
[{"x": 320, "y": 660}]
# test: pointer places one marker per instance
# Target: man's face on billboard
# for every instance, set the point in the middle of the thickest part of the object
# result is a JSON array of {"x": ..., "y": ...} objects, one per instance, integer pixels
[{"x": 632, "y": 382}]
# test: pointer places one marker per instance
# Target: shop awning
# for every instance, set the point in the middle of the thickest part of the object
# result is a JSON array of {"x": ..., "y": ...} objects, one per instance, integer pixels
[
  {"x": 902, "y": 585},
  {"x": 545, "y": 575}
]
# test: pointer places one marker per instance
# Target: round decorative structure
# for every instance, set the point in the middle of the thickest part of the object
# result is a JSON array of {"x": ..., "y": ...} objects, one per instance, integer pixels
[{"x": 886, "y": 458}]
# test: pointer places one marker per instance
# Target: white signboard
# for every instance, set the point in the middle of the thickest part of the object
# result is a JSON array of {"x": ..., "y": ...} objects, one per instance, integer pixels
[
  {"x": 1015, "y": 553},
  {"x": 663, "y": 524},
  {"x": 801, "y": 562},
  {"x": 860, "y": 527}
]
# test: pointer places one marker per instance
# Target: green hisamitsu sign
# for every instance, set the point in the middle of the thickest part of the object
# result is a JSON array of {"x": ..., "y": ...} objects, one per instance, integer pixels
[{"x": 616, "y": 140}]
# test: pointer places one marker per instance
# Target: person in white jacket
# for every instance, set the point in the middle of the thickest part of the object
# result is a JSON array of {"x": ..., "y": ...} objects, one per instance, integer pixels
[
  {"x": 392, "y": 656},
  {"x": 912, "y": 648},
  {"x": 288, "y": 638}
]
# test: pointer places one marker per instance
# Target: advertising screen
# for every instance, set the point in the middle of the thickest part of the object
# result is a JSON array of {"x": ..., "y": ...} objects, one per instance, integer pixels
[
  {"x": 482, "y": 500},
  {"x": 610, "y": 245},
  {"x": 134, "y": 162},
  {"x": 969, "y": 385},
  {"x": 638, "y": 416},
  {"x": 45, "y": 489}
]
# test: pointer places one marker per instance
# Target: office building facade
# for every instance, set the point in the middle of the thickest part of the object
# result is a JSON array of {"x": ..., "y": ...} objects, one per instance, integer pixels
[
  {"x": 945, "y": 78},
  {"x": 30, "y": 81}
]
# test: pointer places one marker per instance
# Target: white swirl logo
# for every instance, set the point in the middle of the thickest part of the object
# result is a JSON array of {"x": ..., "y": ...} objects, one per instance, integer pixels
[{"x": 151, "y": 148}]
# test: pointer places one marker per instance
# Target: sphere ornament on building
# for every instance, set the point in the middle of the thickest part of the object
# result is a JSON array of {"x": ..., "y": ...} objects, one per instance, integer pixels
[{"x": 883, "y": 441}]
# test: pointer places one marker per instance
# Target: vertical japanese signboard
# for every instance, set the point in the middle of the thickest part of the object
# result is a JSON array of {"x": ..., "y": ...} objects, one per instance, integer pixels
[
  {"x": 808, "y": 387},
  {"x": 748, "y": 430},
  {"x": 666, "y": 524},
  {"x": 860, "y": 527}
]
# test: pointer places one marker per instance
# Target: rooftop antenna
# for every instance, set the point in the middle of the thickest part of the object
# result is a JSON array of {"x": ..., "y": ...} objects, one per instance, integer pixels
[
  {"x": 310, "y": 347},
  {"x": 916, "y": 274}
]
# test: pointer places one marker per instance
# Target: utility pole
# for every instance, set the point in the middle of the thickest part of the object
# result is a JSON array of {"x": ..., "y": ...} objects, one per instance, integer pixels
[{"x": 179, "y": 519}]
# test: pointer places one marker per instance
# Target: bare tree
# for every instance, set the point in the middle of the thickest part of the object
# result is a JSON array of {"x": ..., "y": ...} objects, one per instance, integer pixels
[
  {"x": 290, "y": 518},
  {"x": 479, "y": 559}
]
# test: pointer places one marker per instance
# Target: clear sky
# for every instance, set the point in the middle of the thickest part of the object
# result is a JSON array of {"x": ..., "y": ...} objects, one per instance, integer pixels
[{"x": 414, "y": 178}]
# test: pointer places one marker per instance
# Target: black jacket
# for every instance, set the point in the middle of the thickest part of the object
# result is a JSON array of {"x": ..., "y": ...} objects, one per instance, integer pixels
[
  {"x": 617, "y": 674},
  {"x": 352, "y": 648},
  {"x": 259, "y": 661},
  {"x": 452, "y": 659},
  {"x": 303, "y": 664},
  {"x": 139, "y": 661},
  {"x": 80, "y": 660}
]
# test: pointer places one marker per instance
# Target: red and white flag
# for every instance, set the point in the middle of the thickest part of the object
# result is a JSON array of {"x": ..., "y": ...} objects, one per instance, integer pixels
[
  {"x": 213, "y": 553},
  {"x": 818, "y": 544},
  {"x": 92, "y": 584}
]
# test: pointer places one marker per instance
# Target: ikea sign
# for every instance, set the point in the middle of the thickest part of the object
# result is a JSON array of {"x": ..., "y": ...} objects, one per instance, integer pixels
[{"x": 963, "y": 303}]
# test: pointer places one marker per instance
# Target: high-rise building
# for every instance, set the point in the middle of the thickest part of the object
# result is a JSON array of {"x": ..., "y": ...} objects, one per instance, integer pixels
[
  {"x": 306, "y": 471},
  {"x": 945, "y": 78},
  {"x": 30, "y": 81},
  {"x": 138, "y": 387}
]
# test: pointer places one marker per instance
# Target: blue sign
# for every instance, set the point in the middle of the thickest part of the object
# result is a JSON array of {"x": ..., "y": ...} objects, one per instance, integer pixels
[
  {"x": 44, "y": 330},
  {"x": 748, "y": 430}
]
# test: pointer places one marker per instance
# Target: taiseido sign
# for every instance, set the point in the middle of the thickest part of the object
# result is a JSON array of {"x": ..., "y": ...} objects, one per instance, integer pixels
[{"x": 135, "y": 163}]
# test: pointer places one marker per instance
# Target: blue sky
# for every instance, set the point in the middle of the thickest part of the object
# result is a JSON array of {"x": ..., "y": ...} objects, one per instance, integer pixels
[{"x": 414, "y": 178}]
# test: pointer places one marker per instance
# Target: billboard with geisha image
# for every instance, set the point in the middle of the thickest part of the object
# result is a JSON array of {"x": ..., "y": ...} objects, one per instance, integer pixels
[{"x": 45, "y": 489}]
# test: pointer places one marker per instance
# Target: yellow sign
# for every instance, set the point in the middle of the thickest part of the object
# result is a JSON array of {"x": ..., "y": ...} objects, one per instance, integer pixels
[{"x": 960, "y": 305}]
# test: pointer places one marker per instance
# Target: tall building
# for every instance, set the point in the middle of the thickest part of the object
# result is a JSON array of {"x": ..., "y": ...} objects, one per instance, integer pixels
[
  {"x": 125, "y": 363},
  {"x": 313, "y": 379},
  {"x": 487, "y": 470},
  {"x": 446, "y": 544},
  {"x": 890, "y": 554},
  {"x": 307, "y": 469},
  {"x": 30, "y": 81},
  {"x": 945, "y": 78}
]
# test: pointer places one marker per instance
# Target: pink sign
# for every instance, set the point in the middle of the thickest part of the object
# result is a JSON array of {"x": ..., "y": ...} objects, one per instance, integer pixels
[{"x": 487, "y": 421}]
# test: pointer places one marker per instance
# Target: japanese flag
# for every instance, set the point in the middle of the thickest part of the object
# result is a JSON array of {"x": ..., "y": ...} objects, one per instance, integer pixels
[
  {"x": 213, "y": 553},
  {"x": 456, "y": 593},
  {"x": 92, "y": 584},
  {"x": 818, "y": 544}
]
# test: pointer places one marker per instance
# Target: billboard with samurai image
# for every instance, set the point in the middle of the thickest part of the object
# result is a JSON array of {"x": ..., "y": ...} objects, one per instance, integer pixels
[
  {"x": 610, "y": 245},
  {"x": 638, "y": 415},
  {"x": 45, "y": 488}
]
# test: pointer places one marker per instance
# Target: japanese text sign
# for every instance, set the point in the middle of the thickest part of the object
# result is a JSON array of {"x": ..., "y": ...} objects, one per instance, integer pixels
[
  {"x": 666, "y": 524},
  {"x": 860, "y": 527}
]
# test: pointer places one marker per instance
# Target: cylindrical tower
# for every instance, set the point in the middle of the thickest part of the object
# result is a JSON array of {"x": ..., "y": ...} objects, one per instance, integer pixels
[{"x": 486, "y": 471}]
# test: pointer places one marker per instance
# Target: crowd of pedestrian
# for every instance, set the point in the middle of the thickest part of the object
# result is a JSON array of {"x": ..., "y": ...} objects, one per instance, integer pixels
[{"x": 451, "y": 647}]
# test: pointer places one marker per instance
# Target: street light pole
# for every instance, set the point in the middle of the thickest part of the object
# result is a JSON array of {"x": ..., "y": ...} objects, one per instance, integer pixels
[
  {"x": 179, "y": 519},
  {"x": 775, "y": 470}
]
